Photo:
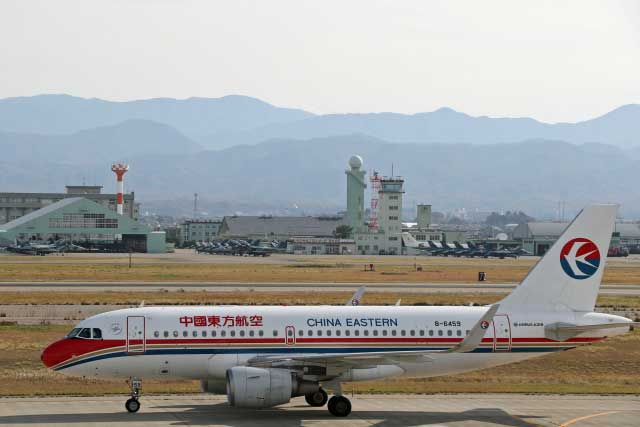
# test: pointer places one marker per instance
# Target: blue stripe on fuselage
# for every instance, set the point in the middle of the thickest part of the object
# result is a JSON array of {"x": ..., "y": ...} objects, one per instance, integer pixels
[{"x": 298, "y": 350}]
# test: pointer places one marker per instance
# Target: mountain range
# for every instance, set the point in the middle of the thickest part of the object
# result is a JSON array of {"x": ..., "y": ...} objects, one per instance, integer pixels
[{"x": 242, "y": 154}]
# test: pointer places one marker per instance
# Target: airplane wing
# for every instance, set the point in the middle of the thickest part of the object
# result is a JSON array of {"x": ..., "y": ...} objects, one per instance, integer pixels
[
  {"x": 356, "y": 299},
  {"x": 369, "y": 359}
]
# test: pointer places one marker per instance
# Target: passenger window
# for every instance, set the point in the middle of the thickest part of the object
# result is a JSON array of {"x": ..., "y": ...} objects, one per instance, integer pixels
[
  {"x": 300, "y": 332},
  {"x": 156, "y": 334},
  {"x": 213, "y": 333},
  {"x": 356, "y": 332},
  {"x": 338, "y": 333},
  {"x": 241, "y": 333},
  {"x": 166, "y": 334},
  {"x": 185, "y": 333},
  {"x": 347, "y": 332},
  {"x": 384, "y": 333},
  {"x": 233, "y": 333},
  {"x": 412, "y": 333},
  {"x": 275, "y": 333},
  {"x": 366, "y": 332},
  {"x": 421, "y": 332},
  {"x": 85, "y": 333},
  {"x": 194, "y": 333},
  {"x": 309, "y": 333},
  {"x": 251, "y": 333},
  {"x": 403, "y": 333},
  {"x": 223, "y": 333},
  {"x": 328, "y": 332},
  {"x": 261, "y": 332},
  {"x": 289, "y": 332},
  {"x": 175, "y": 334},
  {"x": 449, "y": 332},
  {"x": 375, "y": 332},
  {"x": 319, "y": 333},
  {"x": 97, "y": 334},
  {"x": 459, "y": 332},
  {"x": 204, "y": 333},
  {"x": 430, "y": 332},
  {"x": 394, "y": 332},
  {"x": 439, "y": 332}
]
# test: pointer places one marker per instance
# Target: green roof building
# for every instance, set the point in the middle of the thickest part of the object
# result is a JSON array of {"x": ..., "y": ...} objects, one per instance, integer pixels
[{"x": 79, "y": 219}]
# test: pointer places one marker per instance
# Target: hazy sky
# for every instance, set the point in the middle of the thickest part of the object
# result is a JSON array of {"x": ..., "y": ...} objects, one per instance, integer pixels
[{"x": 552, "y": 60}]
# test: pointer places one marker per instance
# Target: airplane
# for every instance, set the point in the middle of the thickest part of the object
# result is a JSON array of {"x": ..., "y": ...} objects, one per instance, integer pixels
[{"x": 263, "y": 356}]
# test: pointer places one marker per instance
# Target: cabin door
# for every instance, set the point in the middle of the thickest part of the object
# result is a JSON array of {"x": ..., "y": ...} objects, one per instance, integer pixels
[
  {"x": 501, "y": 333},
  {"x": 136, "y": 340},
  {"x": 290, "y": 335}
]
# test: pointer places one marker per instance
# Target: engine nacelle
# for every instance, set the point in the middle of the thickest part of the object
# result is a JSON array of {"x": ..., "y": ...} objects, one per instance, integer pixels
[
  {"x": 249, "y": 387},
  {"x": 218, "y": 386}
]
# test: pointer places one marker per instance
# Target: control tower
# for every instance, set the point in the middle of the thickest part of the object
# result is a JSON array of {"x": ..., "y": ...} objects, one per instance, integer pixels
[{"x": 355, "y": 193}]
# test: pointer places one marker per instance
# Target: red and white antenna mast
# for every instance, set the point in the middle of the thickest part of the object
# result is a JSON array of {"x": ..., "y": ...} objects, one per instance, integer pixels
[
  {"x": 374, "y": 179},
  {"x": 120, "y": 169}
]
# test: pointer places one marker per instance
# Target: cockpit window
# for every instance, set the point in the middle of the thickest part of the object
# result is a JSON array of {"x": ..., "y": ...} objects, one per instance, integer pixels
[
  {"x": 97, "y": 334},
  {"x": 84, "y": 333},
  {"x": 73, "y": 332}
]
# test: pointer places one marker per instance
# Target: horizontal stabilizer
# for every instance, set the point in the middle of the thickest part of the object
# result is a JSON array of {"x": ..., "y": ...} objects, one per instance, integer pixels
[{"x": 561, "y": 331}]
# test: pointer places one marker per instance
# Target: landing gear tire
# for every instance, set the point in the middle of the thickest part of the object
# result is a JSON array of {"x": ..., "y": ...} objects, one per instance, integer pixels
[
  {"x": 339, "y": 406},
  {"x": 132, "y": 405},
  {"x": 317, "y": 399}
]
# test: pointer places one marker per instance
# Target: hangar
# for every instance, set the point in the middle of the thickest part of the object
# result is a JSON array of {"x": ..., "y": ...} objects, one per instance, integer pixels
[{"x": 81, "y": 220}]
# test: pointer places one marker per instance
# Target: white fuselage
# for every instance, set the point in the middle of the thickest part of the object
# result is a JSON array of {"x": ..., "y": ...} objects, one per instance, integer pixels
[{"x": 202, "y": 342}]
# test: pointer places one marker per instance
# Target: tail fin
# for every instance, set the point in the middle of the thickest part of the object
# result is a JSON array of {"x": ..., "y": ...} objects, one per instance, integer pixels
[{"x": 568, "y": 277}]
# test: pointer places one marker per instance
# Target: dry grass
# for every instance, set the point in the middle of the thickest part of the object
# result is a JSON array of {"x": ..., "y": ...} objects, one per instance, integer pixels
[
  {"x": 436, "y": 270},
  {"x": 608, "y": 367},
  {"x": 247, "y": 297}
]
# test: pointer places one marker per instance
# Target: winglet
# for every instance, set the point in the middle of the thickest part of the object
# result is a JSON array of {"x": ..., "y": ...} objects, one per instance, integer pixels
[
  {"x": 476, "y": 334},
  {"x": 357, "y": 296}
]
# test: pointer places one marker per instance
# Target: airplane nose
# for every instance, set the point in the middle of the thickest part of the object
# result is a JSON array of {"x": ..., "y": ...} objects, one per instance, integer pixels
[{"x": 54, "y": 353}]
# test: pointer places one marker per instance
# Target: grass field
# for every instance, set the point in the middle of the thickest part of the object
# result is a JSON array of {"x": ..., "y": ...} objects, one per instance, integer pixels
[
  {"x": 173, "y": 297},
  {"x": 608, "y": 367},
  {"x": 435, "y": 270}
]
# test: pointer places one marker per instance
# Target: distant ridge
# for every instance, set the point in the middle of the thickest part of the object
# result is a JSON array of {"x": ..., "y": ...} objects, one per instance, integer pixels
[{"x": 233, "y": 120}]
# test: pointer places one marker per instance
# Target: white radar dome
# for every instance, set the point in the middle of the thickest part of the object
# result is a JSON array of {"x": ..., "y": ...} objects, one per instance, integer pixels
[{"x": 355, "y": 162}]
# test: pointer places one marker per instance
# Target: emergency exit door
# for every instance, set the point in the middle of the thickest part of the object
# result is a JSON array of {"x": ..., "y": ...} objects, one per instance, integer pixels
[
  {"x": 501, "y": 333},
  {"x": 136, "y": 340},
  {"x": 290, "y": 335}
]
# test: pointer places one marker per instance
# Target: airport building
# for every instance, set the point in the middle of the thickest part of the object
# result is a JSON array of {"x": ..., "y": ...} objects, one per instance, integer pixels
[
  {"x": 199, "y": 230},
  {"x": 537, "y": 237},
  {"x": 84, "y": 222},
  {"x": 16, "y": 205},
  {"x": 278, "y": 227},
  {"x": 320, "y": 246}
]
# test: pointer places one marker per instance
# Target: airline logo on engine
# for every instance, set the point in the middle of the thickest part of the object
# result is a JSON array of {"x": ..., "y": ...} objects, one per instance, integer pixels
[{"x": 580, "y": 258}]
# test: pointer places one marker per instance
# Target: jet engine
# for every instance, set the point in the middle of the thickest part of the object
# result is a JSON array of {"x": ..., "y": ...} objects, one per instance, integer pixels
[{"x": 255, "y": 388}]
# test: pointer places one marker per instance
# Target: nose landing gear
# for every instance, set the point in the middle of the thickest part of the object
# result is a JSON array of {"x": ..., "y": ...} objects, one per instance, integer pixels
[{"x": 133, "y": 405}]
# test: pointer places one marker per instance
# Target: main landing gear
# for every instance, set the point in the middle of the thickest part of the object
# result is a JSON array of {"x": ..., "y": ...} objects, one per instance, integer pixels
[
  {"x": 339, "y": 406},
  {"x": 133, "y": 404},
  {"x": 317, "y": 399}
]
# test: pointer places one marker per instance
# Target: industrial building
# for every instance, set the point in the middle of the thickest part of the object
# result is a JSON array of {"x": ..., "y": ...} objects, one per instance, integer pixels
[
  {"x": 198, "y": 230},
  {"x": 16, "y": 205},
  {"x": 80, "y": 220},
  {"x": 278, "y": 228}
]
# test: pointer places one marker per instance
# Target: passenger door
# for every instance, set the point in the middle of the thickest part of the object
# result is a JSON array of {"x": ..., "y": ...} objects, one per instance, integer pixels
[
  {"x": 136, "y": 340},
  {"x": 501, "y": 333},
  {"x": 290, "y": 335}
]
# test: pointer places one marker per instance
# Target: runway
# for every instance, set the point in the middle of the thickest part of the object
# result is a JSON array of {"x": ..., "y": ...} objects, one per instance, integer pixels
[
  {"x": 368, "y": 410},
  {"x": 500, "y": 288}
]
